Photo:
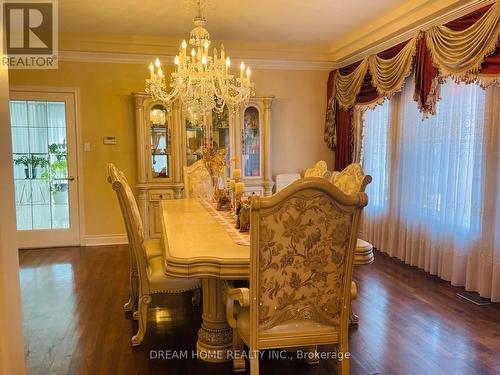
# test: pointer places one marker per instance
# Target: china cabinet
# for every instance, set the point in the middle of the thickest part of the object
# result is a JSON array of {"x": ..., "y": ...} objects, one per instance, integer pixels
[{"x": 169, "y": 140}]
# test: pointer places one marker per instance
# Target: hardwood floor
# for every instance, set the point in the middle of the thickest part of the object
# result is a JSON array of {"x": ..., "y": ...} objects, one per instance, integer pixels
[{"x": 410, "y": 322}]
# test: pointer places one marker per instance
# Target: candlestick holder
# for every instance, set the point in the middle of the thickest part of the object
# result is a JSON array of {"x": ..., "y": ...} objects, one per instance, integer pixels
[{"x": 233, "y": 194}]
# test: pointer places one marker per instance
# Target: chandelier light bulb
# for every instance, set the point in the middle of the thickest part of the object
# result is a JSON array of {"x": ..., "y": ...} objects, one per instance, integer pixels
[
  {"x": 160, "y": 72},
  {"x": 228, "y": 62},
  {"x": 248, "y": 71},
  {"x": 151, "y": 67},
  {"x": 184, "y": 44},
  {"x": 193, "y": 53},
  {"x": 176, "y": 60},
  {"x": 206, "y": 44},
  {"x": 157, "y": 62},
  {"x": 204, "y": 60},
  {"x": 242, "y": 69}
]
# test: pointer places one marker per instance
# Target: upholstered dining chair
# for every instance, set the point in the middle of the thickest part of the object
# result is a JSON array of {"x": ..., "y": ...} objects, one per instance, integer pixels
[
  {"x": 147, "y": 271},
  {"x": 197, "y": 181},
  {"x": 301, "y": 260},
  {"x": 319, "y": 170},
  {"x": 152, "y": 246},
  {"x": 351, "y": 180}
]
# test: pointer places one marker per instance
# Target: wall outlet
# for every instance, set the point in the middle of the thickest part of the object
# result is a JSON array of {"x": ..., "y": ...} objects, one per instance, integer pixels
[{"x": 87, "y": 147}]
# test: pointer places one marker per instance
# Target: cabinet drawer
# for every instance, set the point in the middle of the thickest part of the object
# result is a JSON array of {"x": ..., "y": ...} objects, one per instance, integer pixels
[{"x": 159, "y": 195}]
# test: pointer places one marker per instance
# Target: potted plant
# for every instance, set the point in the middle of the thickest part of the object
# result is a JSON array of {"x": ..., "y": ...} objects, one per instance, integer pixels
[
  {"x": 23, "y": 160},
  {"x": 37, "y": 161},
  {"x": 58, "y": 168}
]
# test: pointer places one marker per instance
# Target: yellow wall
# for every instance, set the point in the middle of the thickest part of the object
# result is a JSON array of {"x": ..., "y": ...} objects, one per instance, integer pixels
[{"x": 107, "y": 110}]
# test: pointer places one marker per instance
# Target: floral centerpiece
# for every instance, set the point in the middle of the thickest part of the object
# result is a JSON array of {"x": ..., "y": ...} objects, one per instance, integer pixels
[{"x": 215, "y": 161}]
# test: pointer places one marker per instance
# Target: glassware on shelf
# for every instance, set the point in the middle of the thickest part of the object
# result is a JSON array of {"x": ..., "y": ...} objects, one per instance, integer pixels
[
  {"x": 251, "y": 143},
  {"x": 160, "y": 142}
]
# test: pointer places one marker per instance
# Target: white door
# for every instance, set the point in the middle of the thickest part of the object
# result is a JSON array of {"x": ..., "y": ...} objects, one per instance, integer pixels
[{"x": 44, "y": 149}]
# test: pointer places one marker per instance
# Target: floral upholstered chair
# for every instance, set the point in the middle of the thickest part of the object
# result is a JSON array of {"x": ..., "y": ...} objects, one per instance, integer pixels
[
  {"x": 319, "y": 170},
  {"x": 301, "y": 260},
  {"x": 147, "y": 269},
  {"x": 351, "y": 180},
  {"x": 197, "y": 181}
]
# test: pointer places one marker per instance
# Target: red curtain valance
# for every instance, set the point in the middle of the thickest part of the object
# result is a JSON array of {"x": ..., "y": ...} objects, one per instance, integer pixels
[{"x": 427, "y": 77}]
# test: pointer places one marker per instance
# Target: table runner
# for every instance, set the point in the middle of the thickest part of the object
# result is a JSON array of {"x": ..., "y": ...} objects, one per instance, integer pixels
[{"x": 228, "y": 222}]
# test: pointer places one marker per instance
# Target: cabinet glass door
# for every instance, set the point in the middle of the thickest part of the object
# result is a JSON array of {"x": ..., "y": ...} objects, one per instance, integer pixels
[
  {"x": 251, "y": 143},
  {"x": 160, "y": 142},
  {"x": 194, "y": 136},
  {"x": 220, "y": 135}
]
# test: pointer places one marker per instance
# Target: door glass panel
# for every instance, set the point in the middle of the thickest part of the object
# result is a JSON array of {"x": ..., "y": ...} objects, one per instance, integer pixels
[
  {"x": 220, "y": 134},
  {"x": 160, "y": 142},
  {"x": 251, "y": 142},
  {"x": 40, "y": 164}
]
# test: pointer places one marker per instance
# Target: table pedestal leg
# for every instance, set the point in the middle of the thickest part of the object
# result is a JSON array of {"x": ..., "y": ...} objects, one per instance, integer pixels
[{"x": 215, "y": 335}]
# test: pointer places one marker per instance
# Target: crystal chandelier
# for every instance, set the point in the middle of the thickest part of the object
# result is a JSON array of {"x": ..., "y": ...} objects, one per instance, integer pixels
[{"x": 201, "y": 81}]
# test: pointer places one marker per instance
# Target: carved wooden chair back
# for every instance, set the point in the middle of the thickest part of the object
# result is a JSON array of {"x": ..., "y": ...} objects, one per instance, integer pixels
[
  {"x": 352, "y": 179},
  {"x": 133, "y": 222},
  {"x": 302, "y": 251},
  {"x": 197, "y": 181},
  {"x": 319, "y": 170}
]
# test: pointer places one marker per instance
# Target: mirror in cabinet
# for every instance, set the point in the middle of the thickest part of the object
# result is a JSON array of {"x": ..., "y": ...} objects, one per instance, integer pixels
[
  {"x": 195, "y": 136},
  {"x": 160, "y": 142}
]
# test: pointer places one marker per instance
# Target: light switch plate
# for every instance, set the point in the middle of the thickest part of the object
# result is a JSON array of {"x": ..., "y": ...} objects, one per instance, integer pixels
[
  {"x": 87, "y": 147},
  {"x": 109, "y": 140}
]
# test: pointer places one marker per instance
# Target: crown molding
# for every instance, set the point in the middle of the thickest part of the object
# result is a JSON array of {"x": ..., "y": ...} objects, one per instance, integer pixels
[
  {"x": 144, "y": 59},
  {"x": 382, "y": 34},
  {"x": 396, "y": 26}
]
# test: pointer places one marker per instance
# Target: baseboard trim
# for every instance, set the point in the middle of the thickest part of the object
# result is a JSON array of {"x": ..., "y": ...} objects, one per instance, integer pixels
[{"x": 105, "y": 239}]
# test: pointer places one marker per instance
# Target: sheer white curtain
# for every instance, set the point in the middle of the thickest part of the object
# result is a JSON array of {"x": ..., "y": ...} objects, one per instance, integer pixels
[{"x": 439, "y": 183}]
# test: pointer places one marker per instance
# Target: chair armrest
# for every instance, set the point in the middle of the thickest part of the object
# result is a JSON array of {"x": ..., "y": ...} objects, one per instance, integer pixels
[{"x": 240, "y": 295}]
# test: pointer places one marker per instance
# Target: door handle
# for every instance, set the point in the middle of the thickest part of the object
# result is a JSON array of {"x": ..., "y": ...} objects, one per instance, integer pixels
[{"x": 70, "y": 178}]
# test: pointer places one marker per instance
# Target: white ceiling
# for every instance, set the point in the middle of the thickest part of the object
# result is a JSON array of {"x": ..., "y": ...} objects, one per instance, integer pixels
[{"x": 282, "y": 21}]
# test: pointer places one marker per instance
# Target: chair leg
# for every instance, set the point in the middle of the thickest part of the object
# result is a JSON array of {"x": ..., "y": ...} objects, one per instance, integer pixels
[
  {"x": 343, "y": 365},
  {"x": 254, "y": 362},
  {"x": 238, "y": 361},
  {"x": 135, "y": 294},
  {"x": 129, "y": 306},
  {"x": 196, "y": 297},
  {"x": 312, "y": 355},
  {"x": 142, "y": 311},
  {"x": 353, "y": 318}
]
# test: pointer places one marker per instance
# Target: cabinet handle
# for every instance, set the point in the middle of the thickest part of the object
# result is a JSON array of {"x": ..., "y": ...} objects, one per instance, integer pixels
[{"x": 161, "y": 196}]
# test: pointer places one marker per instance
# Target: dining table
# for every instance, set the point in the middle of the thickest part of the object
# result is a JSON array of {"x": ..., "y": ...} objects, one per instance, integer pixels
[{"x": 200, "y": 242}]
